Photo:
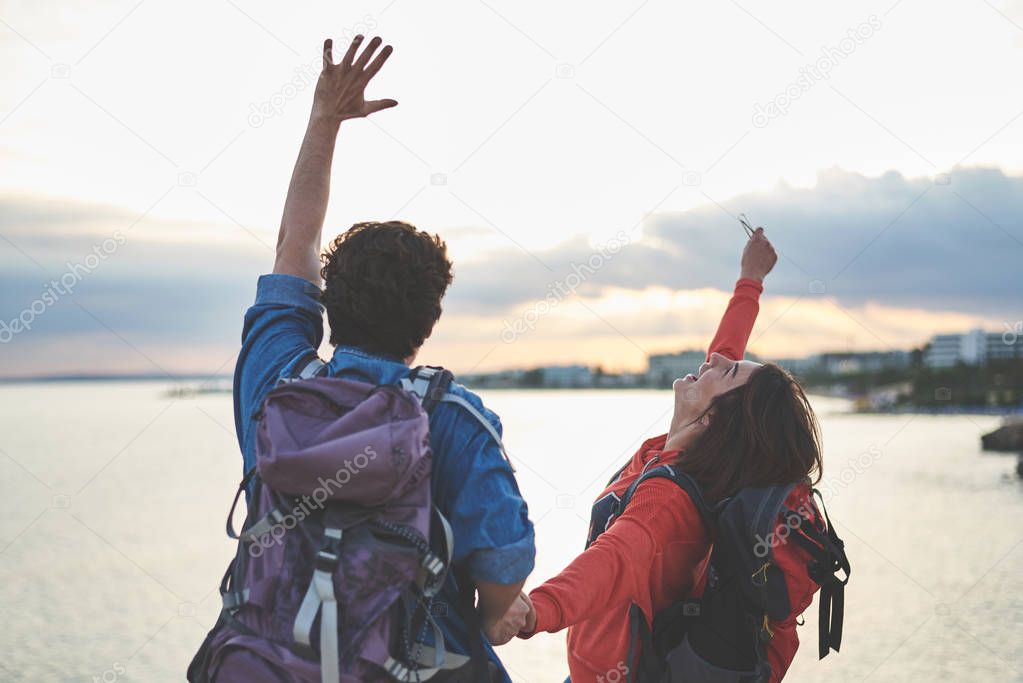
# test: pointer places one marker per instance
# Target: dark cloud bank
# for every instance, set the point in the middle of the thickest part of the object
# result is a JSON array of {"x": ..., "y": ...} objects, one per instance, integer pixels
[
  {"x": 898, "y": 241},
  {"x": 902, "y": 242}
]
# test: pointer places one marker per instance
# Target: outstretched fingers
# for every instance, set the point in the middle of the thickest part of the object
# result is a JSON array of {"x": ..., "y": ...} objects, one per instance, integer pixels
[
  {"x": 341, "y": 88},
  {"x": 364, "y": 58},
  {"x": 349, "y": 57},
  {"x": 377, "y": 63},
  {"x": 328, "y": 53},
  {"x": 349, "y": 62}
]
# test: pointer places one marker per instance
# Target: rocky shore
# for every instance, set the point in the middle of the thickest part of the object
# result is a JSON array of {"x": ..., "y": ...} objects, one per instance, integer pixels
[{"x": 1008, "y": 437}]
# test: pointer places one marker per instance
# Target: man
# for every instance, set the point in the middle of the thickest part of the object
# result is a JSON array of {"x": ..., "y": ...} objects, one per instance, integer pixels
[{"x": 382, "y": 290}]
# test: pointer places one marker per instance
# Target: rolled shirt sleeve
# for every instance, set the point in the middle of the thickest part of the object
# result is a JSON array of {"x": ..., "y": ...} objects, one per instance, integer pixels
[{"x": 285, "y": 321}]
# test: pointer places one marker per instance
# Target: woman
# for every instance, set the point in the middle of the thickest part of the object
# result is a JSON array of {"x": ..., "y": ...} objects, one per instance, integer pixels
[{"x": 736, "y": 424}]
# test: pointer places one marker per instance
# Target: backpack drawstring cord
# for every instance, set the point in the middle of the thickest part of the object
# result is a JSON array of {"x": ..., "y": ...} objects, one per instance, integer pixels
[
  {"x": 767, "y": 628},
  {"x": 762, "y": 570}
]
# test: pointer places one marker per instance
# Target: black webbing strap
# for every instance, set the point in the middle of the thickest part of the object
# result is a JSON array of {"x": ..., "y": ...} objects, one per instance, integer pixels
[
  {"x": 834, "y": 592},
  {"x": 639, "y": 635},
  {"x": 832, "y": 595},
  {"x": 821, "y": 545},
  {"x": 225, "y": 582},
  {"x": 478, "y": 660},
  {"x": 829, "y": 630},
  {"x": 439, "y": 383},
  {"x": 828, "y": 553},
  {"x": 639, "y": 630},
  {"x": 238, "y": 494},
  {"x": 833, "y": 535},
  {"x": 634, "y": 626}
]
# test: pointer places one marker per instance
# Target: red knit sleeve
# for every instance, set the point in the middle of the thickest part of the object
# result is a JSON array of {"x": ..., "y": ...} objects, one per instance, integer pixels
[
  {"x": 615, "y": 570},
  {"x": 737, "y": 322}
]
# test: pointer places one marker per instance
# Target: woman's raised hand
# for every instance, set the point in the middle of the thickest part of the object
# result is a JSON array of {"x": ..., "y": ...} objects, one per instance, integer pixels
[{"x": 759, "y": 257}]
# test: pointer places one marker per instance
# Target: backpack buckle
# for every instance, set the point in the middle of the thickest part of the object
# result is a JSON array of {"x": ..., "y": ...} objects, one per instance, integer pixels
[
  {"x": 712, "y": 576},
  {"x": 326, "y": 561},
  {"x": 437, "y": 382},
  {"x": 434, "y": 395},
  {"x": 396, "y": 669},
  {"x": 433, "y": 564},
  {"x": 234, "y": 600},
  {"x": 329, "y": 555}
]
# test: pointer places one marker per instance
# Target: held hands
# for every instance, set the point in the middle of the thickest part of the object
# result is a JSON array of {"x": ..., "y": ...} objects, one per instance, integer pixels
[
  {"x": 759, "y": 257},
  {"x": 340, "y": 89},
  {"x": 520, "y": 617}
]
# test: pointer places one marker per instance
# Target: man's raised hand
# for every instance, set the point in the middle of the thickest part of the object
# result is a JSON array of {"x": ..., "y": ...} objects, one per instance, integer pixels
[{"x": 340, "y": 90}]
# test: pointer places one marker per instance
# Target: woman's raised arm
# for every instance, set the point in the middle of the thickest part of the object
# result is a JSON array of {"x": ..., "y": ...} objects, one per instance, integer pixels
[{"x": 758, "y": 258}]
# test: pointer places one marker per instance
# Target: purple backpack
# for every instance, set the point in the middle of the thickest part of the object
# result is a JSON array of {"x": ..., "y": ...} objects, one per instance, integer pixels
[{"x": 342, "y": 550}]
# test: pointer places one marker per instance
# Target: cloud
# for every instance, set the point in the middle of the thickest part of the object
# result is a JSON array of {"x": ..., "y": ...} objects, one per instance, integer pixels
[
  {"x": 903, "y": 256},
  {"x": 889, "y": 239},
  {"x": 100, "y": 288}
]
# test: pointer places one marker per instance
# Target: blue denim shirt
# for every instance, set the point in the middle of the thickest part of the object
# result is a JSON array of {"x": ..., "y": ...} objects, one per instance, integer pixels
[{"x": 472, "y": 484}]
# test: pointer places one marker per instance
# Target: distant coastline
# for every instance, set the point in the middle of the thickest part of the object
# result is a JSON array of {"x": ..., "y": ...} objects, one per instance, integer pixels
[
  {"x": 123, "y": 377},
  {"x": 193, "y": 384}
]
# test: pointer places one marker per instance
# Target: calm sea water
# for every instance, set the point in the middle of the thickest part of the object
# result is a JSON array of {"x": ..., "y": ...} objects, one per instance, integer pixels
[{"x": 113, "y": 498}]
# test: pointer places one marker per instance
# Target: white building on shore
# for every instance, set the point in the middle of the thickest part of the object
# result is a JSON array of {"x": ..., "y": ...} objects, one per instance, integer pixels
[
  {"x": 663, "y": 368},
  {"x": 566, "y": 376},
  {"x": 975, "y": 347}
]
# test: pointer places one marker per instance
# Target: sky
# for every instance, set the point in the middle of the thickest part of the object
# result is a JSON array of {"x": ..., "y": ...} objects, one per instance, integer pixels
[{"x": 585, "y": 163}]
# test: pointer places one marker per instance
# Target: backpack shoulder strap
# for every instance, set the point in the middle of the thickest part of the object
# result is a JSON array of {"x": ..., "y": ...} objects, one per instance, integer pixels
[
  {"x": 432, "y": 386},
  {"x": 309, "y": 365},
  {"x": 306, "y": 366},
  {"x": 429, "y": 384},
  {"x": 680, "y": 479},
  {"x": 647, "y": 664}
]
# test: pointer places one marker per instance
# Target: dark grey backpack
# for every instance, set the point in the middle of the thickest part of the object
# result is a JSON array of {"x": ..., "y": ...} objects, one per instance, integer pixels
[{"x": 723, "y": 636}]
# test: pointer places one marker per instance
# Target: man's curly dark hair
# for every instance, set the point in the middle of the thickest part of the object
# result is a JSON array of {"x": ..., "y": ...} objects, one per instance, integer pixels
[{"x": 383, "y": 283}]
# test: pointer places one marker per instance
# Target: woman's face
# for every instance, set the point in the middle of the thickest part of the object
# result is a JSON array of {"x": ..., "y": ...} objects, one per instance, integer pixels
[{"x": 694, "y": 393}]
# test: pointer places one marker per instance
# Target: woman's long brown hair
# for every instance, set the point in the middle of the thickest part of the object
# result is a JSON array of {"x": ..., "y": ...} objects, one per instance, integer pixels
[{"x": 759, "y": 434}]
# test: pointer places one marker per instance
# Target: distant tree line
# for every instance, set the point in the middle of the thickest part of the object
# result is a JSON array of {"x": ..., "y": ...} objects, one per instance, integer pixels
[{"x": 998, "y": 383}]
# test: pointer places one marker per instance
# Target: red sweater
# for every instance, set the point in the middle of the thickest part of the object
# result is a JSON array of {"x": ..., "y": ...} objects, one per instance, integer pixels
[{"x": 652, "y": 554}]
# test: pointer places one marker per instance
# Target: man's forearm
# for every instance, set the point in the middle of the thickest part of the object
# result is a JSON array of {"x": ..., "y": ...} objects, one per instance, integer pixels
[
  {"x": 298, "y": 244},
  {"x": 496, "y": 598}
]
